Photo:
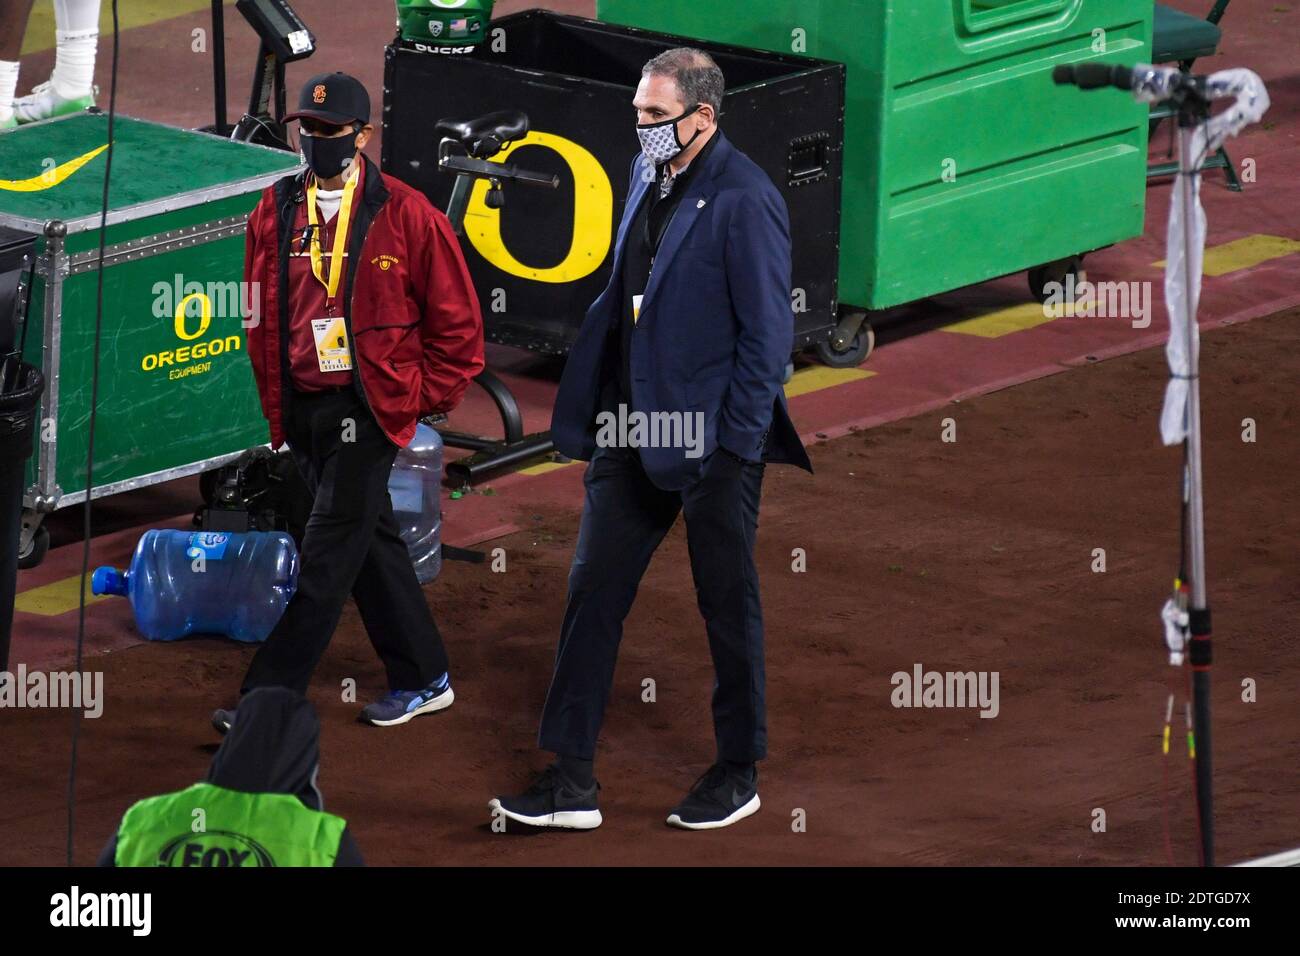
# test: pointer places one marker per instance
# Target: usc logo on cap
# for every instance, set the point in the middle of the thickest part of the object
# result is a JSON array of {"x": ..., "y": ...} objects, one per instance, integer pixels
[{"x": 318, "y": 94}]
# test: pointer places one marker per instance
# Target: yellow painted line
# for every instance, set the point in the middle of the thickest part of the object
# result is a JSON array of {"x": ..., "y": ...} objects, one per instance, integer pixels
[
  {"x": 58, "y": 597},
  {"x": 1016, "y": 318},
  {"x": 1245, "y": 254},
  {"x": 814, "y": 378},
  {"x": 137, "y": 13},
  {"x": 545, "y": 467}
]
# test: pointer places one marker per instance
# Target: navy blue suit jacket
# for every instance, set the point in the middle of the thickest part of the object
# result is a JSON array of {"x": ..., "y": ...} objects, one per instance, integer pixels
[{"x": 715, "y": 329}]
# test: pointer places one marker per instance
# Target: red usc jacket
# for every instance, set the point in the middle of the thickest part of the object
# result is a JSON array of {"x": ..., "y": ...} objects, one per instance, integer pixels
[{"x": 413, "y": 318}]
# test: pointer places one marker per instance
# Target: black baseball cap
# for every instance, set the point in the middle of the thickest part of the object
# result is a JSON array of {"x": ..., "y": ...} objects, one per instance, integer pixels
[{"x": 333, "y": 98}]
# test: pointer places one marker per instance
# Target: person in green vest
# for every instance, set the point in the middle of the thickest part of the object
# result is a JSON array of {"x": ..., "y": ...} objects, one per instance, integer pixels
[{"x": 259, "y": 805}]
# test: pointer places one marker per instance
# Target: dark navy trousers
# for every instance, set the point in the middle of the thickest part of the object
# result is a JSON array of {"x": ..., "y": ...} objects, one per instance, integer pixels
[{"x": 624, "y": 519}]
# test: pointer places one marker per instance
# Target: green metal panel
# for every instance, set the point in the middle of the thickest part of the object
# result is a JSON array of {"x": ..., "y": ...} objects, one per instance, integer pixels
[
  {"x": 151, "y": 163},
  {"x": 88, "y": 240},
  {"x": 156, "y": 410},
  {"x": 174, "y": 392},
  {"x": 962, "y": 160}
]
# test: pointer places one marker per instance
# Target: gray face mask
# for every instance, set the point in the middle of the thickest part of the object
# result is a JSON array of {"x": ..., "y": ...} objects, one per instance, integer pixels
[{"x": 660, "y": 142}]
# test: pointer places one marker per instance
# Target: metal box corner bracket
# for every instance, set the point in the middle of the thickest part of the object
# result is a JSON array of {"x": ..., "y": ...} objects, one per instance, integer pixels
[
  {"x": 962, "y": 160},
  {"x": 176, "y": 393},
  {"x": 550, "y": 252}
]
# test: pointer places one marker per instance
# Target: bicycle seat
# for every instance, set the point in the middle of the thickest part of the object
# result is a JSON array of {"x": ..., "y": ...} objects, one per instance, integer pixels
[{"x": 484, "y": 136}]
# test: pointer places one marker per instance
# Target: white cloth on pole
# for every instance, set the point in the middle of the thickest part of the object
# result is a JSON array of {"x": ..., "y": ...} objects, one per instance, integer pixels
[
  {"x": 1251, "y": 104},
  {"x": 1181, "y": 259}
]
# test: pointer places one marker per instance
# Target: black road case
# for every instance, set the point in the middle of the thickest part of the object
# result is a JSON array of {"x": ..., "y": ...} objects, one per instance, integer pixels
[{"x": 542, "y": 260}]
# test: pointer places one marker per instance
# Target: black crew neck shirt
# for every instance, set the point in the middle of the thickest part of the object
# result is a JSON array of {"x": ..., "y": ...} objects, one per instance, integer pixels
[{"x": 653, "y": 216}]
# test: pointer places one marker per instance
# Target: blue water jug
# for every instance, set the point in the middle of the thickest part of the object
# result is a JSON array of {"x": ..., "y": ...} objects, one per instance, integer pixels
[
  {"x": 414, "y": 486},
  {"x": 206, "y": 582}
]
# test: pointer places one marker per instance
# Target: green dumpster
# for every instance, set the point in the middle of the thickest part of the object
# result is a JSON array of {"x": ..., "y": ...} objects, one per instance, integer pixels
[
  {"x": 962, "y": 160},
  {"x": 176, "y": 392}
]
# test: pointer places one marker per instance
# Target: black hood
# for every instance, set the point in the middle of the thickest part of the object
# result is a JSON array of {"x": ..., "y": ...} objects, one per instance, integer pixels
[{"x": 272, "y": 747}]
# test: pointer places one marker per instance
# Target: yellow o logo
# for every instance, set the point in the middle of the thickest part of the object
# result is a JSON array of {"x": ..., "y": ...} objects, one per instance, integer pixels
[
  {"x": 205, "y": 315},
  {"x": 593, "y": 216}
]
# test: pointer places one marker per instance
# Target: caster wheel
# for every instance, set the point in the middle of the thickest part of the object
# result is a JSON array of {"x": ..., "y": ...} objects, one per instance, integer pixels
[
  {"x": 1044, "y": 279},
  {"x": 854, "y": 354},
  {"x": 35, "y": 552}
]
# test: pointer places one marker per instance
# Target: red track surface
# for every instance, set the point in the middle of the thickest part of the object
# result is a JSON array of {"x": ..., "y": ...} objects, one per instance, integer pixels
[{"x": 965, "y": 555}]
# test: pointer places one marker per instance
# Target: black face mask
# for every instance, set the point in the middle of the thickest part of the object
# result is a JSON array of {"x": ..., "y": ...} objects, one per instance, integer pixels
[{"x": 329, "y": 155}]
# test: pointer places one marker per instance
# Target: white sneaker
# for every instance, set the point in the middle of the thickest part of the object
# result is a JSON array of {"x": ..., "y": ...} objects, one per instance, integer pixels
[{"x": 44, "y": 103}]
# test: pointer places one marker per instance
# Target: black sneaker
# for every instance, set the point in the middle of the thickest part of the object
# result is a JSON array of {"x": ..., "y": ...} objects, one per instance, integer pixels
[
  {"x": 553, "y": 800},
  {"x": 719, "y": 798},
  {"x": 223, "y": 720}
]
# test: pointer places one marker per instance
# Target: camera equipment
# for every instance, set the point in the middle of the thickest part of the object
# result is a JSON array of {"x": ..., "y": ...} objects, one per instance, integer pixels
[{"x": 285, "y": 38}]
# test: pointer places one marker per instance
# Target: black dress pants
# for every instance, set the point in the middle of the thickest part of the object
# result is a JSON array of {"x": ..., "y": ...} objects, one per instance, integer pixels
[{"x": 352, "y": 544}]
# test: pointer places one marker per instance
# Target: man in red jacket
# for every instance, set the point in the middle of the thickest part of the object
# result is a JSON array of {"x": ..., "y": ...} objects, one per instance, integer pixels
[{"x": 363, "y": 320}]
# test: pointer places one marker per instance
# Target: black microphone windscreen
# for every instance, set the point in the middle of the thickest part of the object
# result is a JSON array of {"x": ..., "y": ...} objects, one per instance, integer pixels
[{"x": 1063, "y": 75}]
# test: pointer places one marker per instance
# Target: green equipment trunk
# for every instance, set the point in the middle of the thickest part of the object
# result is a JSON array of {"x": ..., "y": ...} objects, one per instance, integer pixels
[
  {"x": 176, "y": 392},
  {"x": 962, "y": 160}
]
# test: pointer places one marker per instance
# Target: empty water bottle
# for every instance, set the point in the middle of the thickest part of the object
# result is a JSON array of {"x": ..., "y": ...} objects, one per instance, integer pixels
[
  {"x": 206, "y": 582},
  {"x": 414, "y": 486}
]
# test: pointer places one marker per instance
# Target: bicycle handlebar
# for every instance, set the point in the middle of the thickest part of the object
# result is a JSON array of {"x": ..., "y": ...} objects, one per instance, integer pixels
[{"x": 482, "y": 169}]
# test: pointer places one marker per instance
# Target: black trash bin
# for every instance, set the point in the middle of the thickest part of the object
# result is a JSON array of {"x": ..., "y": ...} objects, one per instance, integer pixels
[
  {"x": 21, "y": 386},
  {"x": 17, "y": 434},
  {"x": 539, "y": 263}
]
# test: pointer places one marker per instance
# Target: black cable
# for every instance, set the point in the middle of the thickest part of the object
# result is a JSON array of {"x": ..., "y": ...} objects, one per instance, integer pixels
[
  {"x": 1185, "y": 502},
  {"x": 280, "y": 142},
  {"x": 90, "y": 441},
  {"x": 11, "y": 364}
]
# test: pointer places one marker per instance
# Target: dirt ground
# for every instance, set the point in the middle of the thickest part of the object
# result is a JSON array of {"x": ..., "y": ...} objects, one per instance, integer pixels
[{"x": 970, "y": 555}]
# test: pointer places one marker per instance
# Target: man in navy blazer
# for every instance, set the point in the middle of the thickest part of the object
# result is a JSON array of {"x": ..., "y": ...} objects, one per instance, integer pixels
[{"x": 672, "y": 391}]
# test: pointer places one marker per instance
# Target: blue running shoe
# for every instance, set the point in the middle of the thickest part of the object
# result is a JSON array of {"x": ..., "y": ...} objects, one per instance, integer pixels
[{"x": 401, "y": 705}]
